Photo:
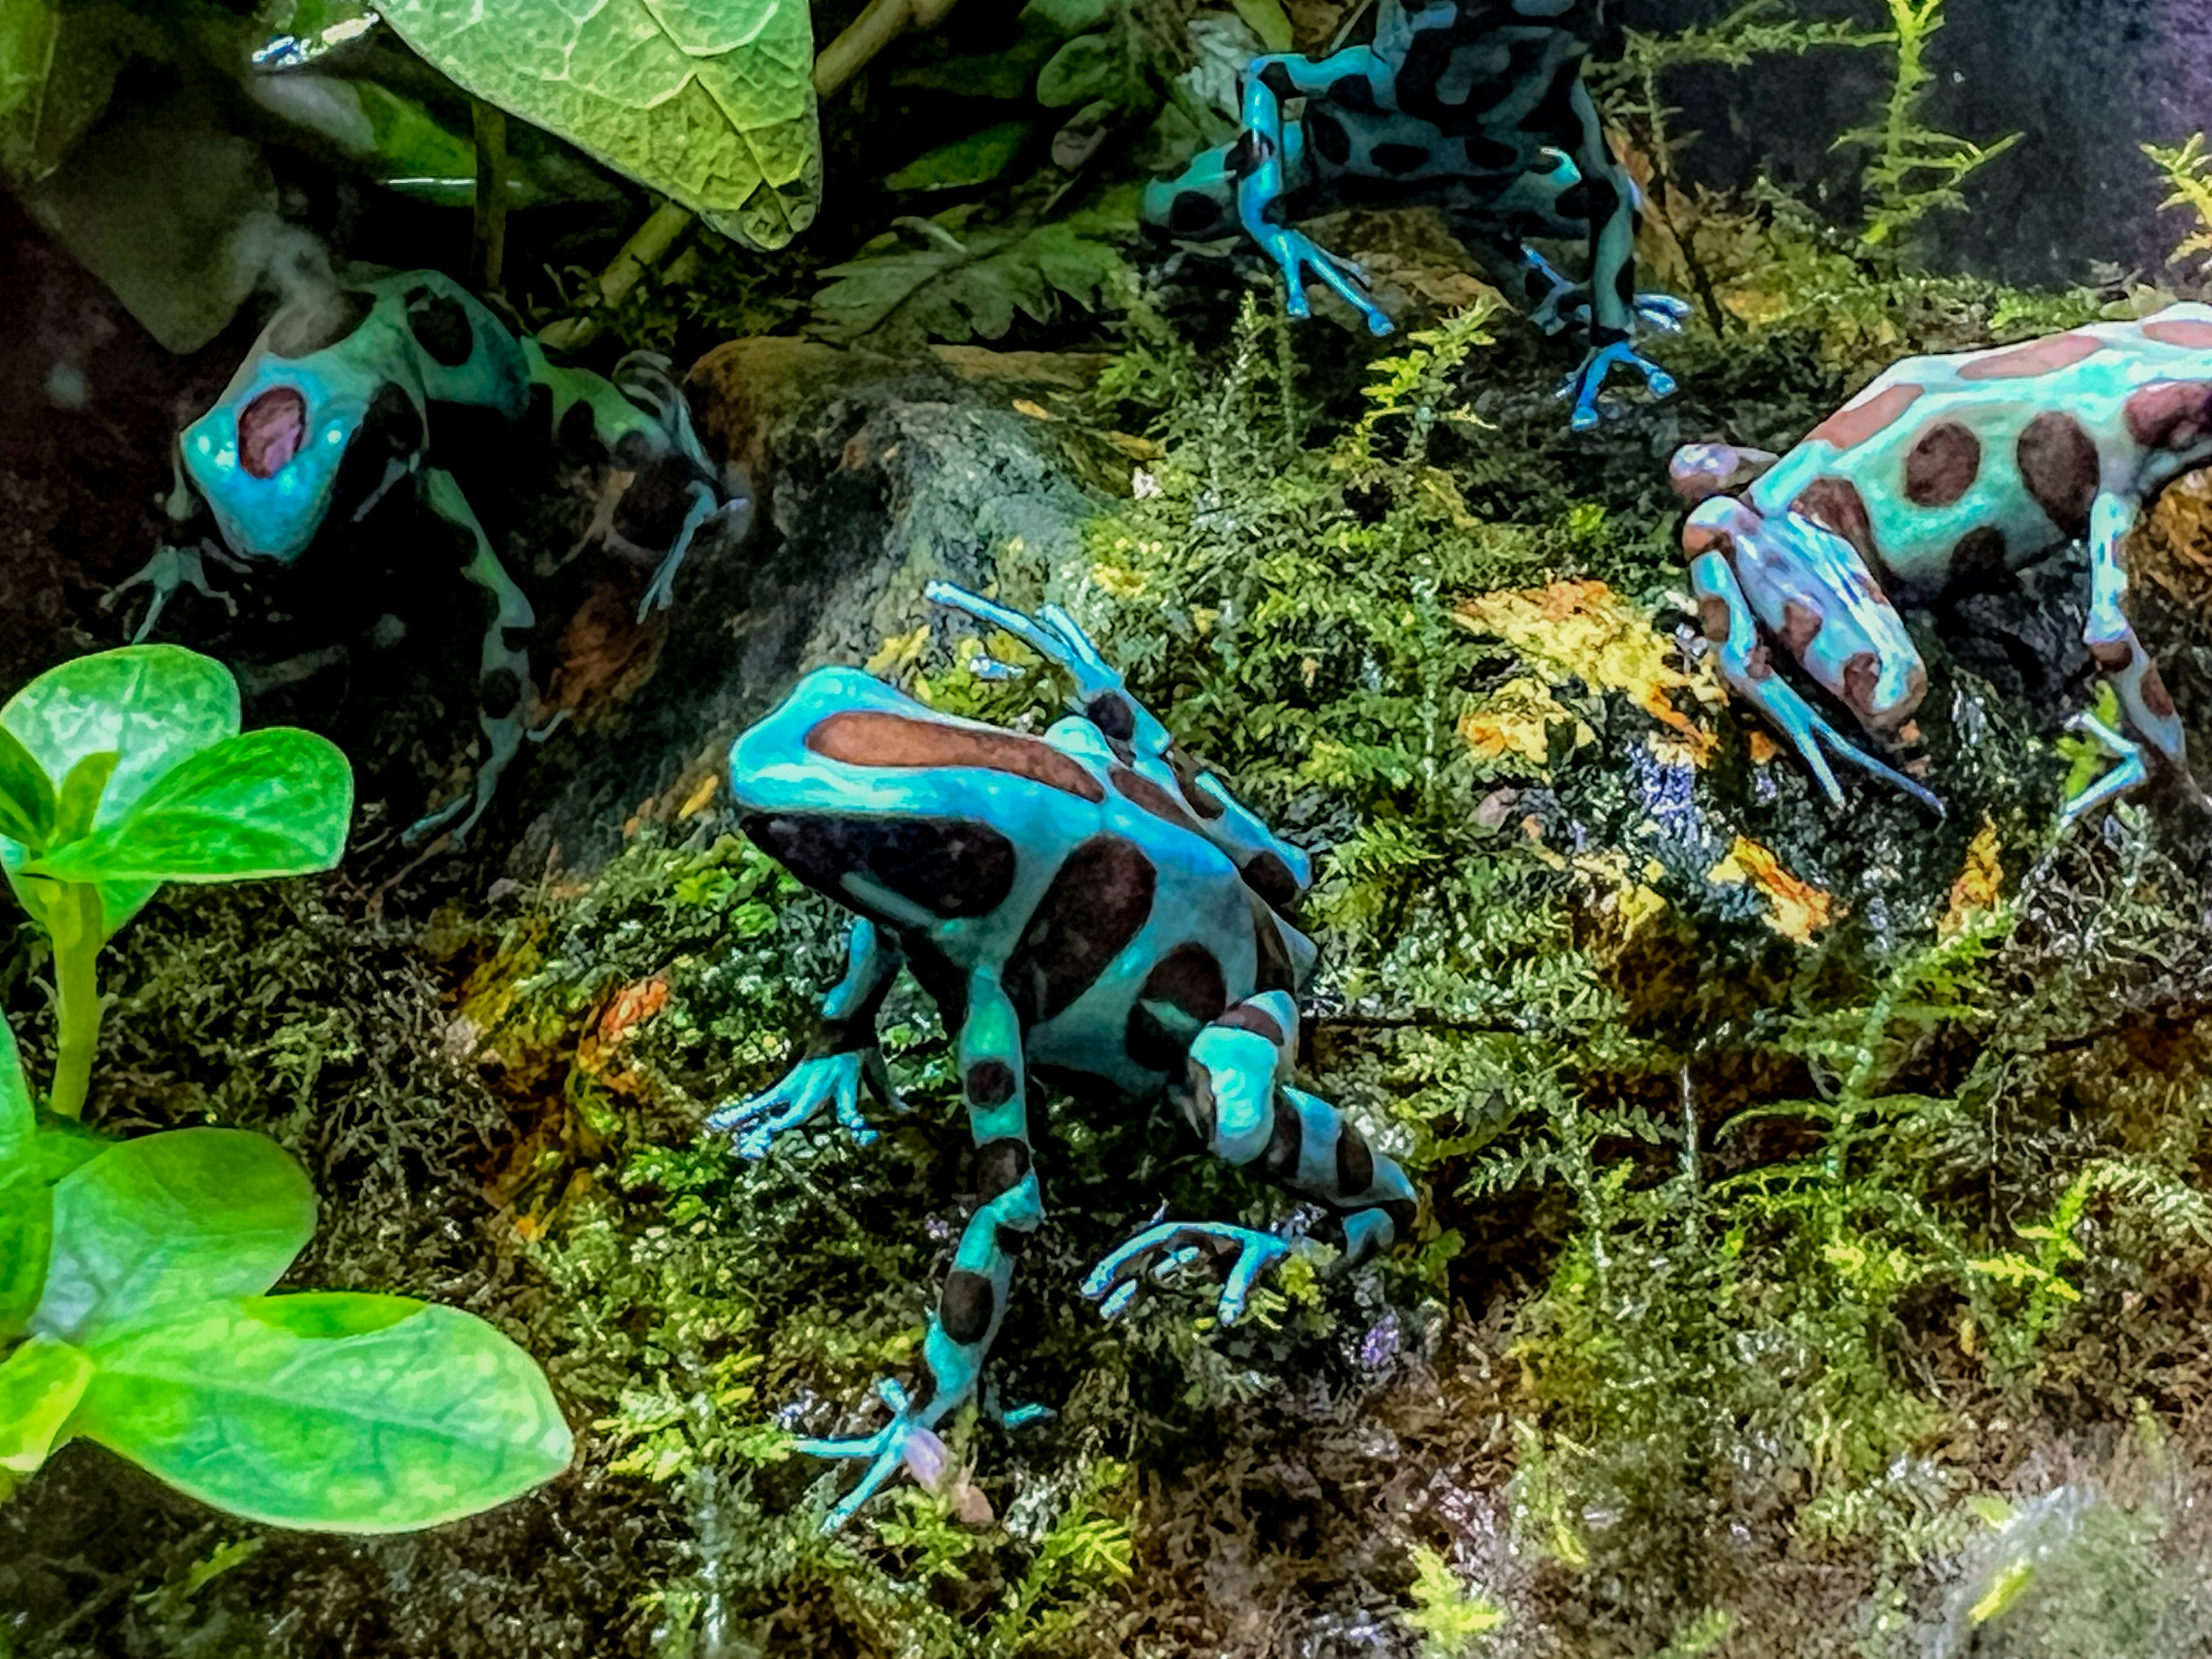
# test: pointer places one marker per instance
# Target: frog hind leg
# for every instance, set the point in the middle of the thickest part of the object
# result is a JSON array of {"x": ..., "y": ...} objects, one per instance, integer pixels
[
  {"x": 1238, "y": 1097},
  {"x": 1614, "y": 303},
  {"x": 973, "y": 1302},
  {"x": 504, "y": 694},
  {"x": 1263, "y": 152},
  {"x": 1729, "y": 623},
  {"x": 2113, "y": 643},
  {"x": 842, "y": 1056}
]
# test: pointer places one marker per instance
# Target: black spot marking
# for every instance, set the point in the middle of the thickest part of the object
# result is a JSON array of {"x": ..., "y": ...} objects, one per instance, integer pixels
[
  {"x": 947, "y": 866},
  {"x": 1398, "y": 158},
  {"x": 499, "y": 691},
  {"x": 1188, "y": 980},
  {"x": 1271, "y": 879},
  {"x": 1188, "y": 772},
  {"x": 1403, "y": 1213},
  {"x": 579, "y": 428},
  {"x": 1355, "y": 1163},
  {"x": 1191, "y": 214},
  {"x": 1285, "y": 1146},
  {"x": 1352, "y": 92},
  {"x": 441, "y": 325},
  {"x": 514, "y": 638},
  {"x": 999, "y": 1167},
  {"x": 1980, "y": 555},
  {"x": 965, "y": 1309},
  {"x": 2058, "y": 464},
  {"x": 1275, "y": 971},
  {"x": 1113, "y": 716},
  {"x": 1245, "y": 1018},
  {"x": 390, "y": 430},
  {"x": 1097, "y": 902},
  {"x": 990, "y": 1083},
  {"x": 1328, "y": 138},
  {"x": 1277, "y": 79}
]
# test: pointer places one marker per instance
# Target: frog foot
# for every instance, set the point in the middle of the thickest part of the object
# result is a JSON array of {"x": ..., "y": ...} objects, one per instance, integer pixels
[
  {"x": 906, "y": 1440},
  {"x": 1582, "y": 387},
  {"x": 1815, "y": 739},
  {"x": 1297, "y": 252},
  {"x": 831, "y": 1080},
  {"x": 1162, "y": 1251},
  {"x": 2131, "y": 773},
  {"x": 169, "y": 569},
  {"x": 1052, "y": 635},
  {"x": 1662, "y": 311}
]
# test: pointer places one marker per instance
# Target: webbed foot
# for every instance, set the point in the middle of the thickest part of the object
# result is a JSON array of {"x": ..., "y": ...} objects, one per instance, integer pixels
[
  {"x": 831, "y": 1080},
  {"x": 1815, "y": 739},
  {"x": 169, "y": 569},
  {"x": 1582, "y": 386},
  {"x": 1161, "y": 1251},
  {"x": 905, "y": 1440},
  {"x": 1297, "y": 252},
  {"x": 1052, "y": 635},
  {"x": 2131, "y": 773},
  {"x": 1662, "y": 311}
]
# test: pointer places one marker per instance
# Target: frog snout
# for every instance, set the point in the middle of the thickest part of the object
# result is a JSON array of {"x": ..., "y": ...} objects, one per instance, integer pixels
[{"x": 1883, "y": 695}]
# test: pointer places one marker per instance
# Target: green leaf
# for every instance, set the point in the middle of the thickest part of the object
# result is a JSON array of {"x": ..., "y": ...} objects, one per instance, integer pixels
[
  {"x": 40, "y": 1384},
  {"x": 18, "y": 1117},
  {"x": 708, "y": 101},
  {"x": 1067, "y": 17},
  {"x": 79, "y": 800},
  {"x": 27, "y": 793},
  {"x": 25, "y": 1235},
  {"x": 1089, "y": 66},
  {"x": 330, "y": 1412},
  {"x": 974, "y": 160},
  {"x": 57, "y": 69},
  {"x": 1267, "y": 19},
  {"x": 180, "y": 1217},
  {"x": 273, "y": 802}
]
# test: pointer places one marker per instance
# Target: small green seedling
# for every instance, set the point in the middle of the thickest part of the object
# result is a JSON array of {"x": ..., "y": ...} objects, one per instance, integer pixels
[
  {"x": 133, "y": 1275},
  {"x": 126, "y": 769}
]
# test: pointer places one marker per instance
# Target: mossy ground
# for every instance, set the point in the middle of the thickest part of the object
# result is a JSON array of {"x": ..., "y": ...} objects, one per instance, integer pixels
[{"x": 1813, "y": 1253}]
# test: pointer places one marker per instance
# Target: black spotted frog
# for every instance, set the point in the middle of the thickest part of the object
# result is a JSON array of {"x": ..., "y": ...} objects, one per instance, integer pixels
[
  {"x": 1088, "y": 908},
  {"x": 1475, "y": 106},
  {"x": 1942, "y": 472},
  {"x": 334, "y": 408}
]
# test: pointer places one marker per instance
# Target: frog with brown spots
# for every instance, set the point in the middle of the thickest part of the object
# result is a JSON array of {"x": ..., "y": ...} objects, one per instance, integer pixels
[
  {"x": 1942, "y": 470},
  {"x": 1089, "y": 908}
]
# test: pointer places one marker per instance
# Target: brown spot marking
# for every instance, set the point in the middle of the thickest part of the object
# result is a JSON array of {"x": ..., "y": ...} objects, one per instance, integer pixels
[
  {"x": 860, "y": 736},
  {"x": 1245, "y": 1018},
  {"x": 1836, "y": 504},
  {"x": 1861, "y": 679},
  {"x": 2190, "y": 337},
  {"x": 271, "y": 430},
  {"x": 2058, "y": 464},
  {"x": 1355, "y": 1163},
  {"x": 1287, "y": 1142},
  {"x": 1188, "y": 980},
  {"x": 1759, "y": 663},
  {"x": 1271, "y": 879},
  {"x": 1188, "y": 773},
  {"x": 2175, "y": 415},
  {"x": 1136, "y": 787},
  {"x": 1942, "y": 465},
  {"x": 1979, "y": 554},
  {"x": 949, "y": 867},
  {"x": 1849, "y": 427},
  {"x": 1702, "y": 538},
  {"x": 2112, "y": 655},
  {"x": 990, "y": 1083},
  {"x": 2155, "y": 696},
  {"x": 2026, "y": 362},
  {"x": 1800, "y": 626},
  {"x": 1097, "y": 902},
  {"x": 964, "y": 1309},
  {"x": 1713, "y": 618},
  {"x": 1276, "y": 970},
  {"x": 999, "y": 1166}
]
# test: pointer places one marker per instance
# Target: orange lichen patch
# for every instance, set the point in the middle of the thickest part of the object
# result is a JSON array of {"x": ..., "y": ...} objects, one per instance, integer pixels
[
  {"x": 1980, "y": 886},
  {"x": 1795, "y": 908},
  {"x": 1764, "y": 747},
  {"x": 632, "y": 1006},
  {"x": 2190, "y": 337},
  {"x": 1854, "y": 424},
  {"x": 2026, "y": 362},
  {"x": 1586, "y": 631}
]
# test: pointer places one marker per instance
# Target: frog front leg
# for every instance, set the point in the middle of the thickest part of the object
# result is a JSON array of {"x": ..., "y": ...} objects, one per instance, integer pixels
[
  {"x": 1238, "y": 1097},
  {"x": 994, "y": 1089},
  {"x": 1612, "y": 297},
  {"x": 1267, "y": 83},
  {"x": 2113, "y": 642},
  {"x": 504, "y": 692},
  {"x": 843, "y": 1054}
]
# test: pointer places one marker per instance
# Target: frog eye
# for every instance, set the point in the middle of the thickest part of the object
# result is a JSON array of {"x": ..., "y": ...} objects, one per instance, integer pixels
[{"x": 271, "y": 430}]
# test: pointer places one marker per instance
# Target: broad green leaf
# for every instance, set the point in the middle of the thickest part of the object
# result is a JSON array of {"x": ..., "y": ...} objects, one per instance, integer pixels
[
  {"x": 18, "y": 1118},
  {"x": 1267, "y": 19},
  {"x": 1067, "y": 17},
  {"x": 26, "y": 1233},
  {"x": 170, "y": 1219},
  {"x": 27, "y": 793},
  {"x": 334, "y": 1412},
  {"x": 273, "y": 802},
  {"x": 710, "y": 102},
  {"x": 974, "y": 160},
  {"x": 78, "y": 799},
  {"x": 40, "y": 1384},
  {"x": 57, "y": 69},
  {"x": 1089, "y": 66}
]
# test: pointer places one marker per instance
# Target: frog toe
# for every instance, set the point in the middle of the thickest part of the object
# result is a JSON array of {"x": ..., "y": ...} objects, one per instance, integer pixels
[
  {"x": 2131, "y": 773},
  {"x": 1162, "y": 1251},
  {"x": 827, "y": 1080},
  {"x": 1663, "y": 311},
  {"x": 905, "y": 1442}
]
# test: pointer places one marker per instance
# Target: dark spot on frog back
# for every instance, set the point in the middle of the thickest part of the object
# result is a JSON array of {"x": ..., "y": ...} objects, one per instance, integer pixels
[
  {"x": 966, "y": 1307},
  {"x": 1188, "y": 980},
  {"x": 1194, "y": 214},
  {"x": 1097, "y": 902},
  {"x": 392, "y": 429},
  {"x": 442, "y": 327},
  {"x": 872, "y": 738},
  {"x": 1328, "y": 138},
  {"x": 2059, "y": 466},
  {"x": 951, "y": 867},
  {"x": 1942, "y": 464},
  {"x": 1834, "y": 503},
  {"x": 2174, "y": 416}
]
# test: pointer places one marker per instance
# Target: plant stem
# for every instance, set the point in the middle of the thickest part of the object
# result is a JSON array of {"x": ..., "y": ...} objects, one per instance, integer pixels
[
  {"x": 488, "y": 255},
  {"x": 74, "y": 918}
]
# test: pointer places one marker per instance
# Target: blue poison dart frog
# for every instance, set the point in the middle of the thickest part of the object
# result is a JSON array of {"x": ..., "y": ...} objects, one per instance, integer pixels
[
  {"x": 1946, "y": 470},
  {"x": 1090, "y": 908},
  {"x": 334, "y": 407},
  {"x": 1475, "y": 106}
]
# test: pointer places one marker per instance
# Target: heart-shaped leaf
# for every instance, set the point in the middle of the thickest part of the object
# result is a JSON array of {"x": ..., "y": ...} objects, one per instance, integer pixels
[
  {"x": 180, "y": 1217},
  {"x": 708, "y": 101},
  {"x": 331, "y": 1412},
  {"x": 272, "y": 803},
  {"x": 39, "y": 1385},
  {"x": 27, "y": 793}
]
